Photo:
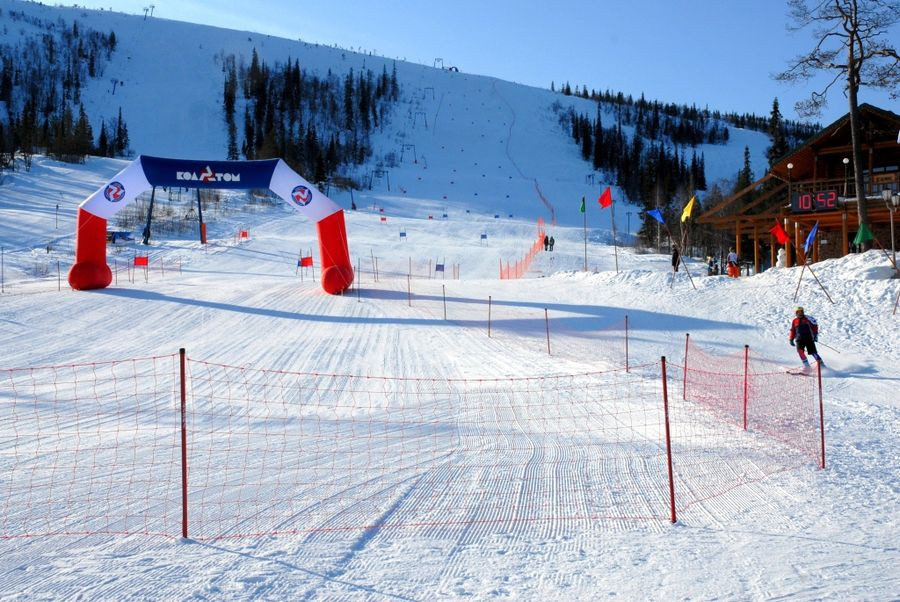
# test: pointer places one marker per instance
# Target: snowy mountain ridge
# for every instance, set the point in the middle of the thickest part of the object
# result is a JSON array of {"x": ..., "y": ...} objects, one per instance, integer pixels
[{"x": 167, "y": 78}]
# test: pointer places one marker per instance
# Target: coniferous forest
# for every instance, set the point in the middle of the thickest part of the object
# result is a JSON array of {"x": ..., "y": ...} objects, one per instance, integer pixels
[
  {"x": 41, "y": 81},
  {"x": 316, "y": 124},
  {"x": 659, "y": 164}
]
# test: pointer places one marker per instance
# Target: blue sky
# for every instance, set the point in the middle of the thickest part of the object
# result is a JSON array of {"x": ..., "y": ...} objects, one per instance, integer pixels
[{"x": 719, "y": 54}]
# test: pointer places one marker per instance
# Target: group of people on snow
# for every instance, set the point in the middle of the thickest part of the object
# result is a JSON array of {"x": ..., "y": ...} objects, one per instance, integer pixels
[{"x": 548, "y": 243}]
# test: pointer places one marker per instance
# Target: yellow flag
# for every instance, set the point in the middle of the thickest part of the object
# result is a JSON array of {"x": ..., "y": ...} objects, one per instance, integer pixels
[{"x": 686, "y": 213}]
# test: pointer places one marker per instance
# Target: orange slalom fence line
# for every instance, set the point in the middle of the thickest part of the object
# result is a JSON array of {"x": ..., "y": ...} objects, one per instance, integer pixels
[
  {"x": 519, "y": 268},
  {"x": 734, "y": 387},
  {"x": 170, "y": 446}
]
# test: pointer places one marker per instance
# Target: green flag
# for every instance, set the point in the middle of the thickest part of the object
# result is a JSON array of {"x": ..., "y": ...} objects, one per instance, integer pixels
[
  {"x": 582, "y": 204},
  {"x": 863, "y": 235}
]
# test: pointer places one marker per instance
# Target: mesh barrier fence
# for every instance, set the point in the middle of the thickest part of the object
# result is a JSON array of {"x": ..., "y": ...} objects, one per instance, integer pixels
[
  {"x": 278, "y": 451},
  {"x": 90, "y": 448},
  {"x": 735, "y": 388},
  {"x": 97, "y": 448}
]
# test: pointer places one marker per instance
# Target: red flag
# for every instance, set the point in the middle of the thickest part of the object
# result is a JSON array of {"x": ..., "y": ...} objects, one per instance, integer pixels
[
  {"x": 605, "y": 199},
  {"x": 306, "y": 262},
  {"x": 780, "y": 235},
  {"x": 245, "y": 233},
  {"x": 383, "y": 218},
  {"x": 141, "y": 260}
]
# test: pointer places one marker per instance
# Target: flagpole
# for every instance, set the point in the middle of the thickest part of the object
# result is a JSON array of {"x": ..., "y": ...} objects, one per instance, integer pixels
[
  {"x": 797, "y": 290},
  {"x": 824, "y": 290},
  {"x": 669, "y": 232},
  {"x": 806, "y": 265},
  {"x": 612, "y": 219},
  {"x": 684, "y": 265},
  {"x": 584, "y": 215}
]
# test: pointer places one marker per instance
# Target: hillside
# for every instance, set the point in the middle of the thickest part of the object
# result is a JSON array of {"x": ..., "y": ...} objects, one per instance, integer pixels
[{"x": 168, "y": 84}]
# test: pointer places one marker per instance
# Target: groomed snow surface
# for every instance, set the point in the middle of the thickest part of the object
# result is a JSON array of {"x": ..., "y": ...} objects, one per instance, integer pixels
[{"x": 485, "y": 492}]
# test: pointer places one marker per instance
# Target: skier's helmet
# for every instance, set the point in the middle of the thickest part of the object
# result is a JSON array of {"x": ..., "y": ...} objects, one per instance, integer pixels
[{"x": 799, "y": 310}]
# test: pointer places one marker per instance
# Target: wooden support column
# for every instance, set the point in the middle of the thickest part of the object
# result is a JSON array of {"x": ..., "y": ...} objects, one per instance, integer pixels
[
  {"x": 797, "y": 244},
  {"x": 788, "y": 257},
  {"x": 737, "y": 238},
  {"x": 755, "y": 248},
  {"x": 773, "y": 258},
  {"x": 845, "y": 236}
]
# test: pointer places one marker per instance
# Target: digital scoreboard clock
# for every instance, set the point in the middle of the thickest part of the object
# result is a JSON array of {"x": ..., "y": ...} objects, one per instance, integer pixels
[{"x": 806, "y": 202}]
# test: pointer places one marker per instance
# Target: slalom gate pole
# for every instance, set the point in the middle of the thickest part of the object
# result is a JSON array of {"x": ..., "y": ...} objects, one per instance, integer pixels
[
  {"x": 409, "y": 290},
  {"x": 184, "y": 481},
  {"x": 626, "y": 343},
  {"x": 489, "y": 316},
  {"x": 821, "y": 413},
  {"x": 687, "y": 339},
  {"x": 547, "y": 322},
  {"x": 58, "y": 277},
  {"x": 668, "y": 443},
  {"x": 746, "y": 381}
]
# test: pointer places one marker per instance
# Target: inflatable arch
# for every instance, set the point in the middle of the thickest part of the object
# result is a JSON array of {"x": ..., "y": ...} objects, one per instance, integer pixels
[{"x": 90, "y": 270}]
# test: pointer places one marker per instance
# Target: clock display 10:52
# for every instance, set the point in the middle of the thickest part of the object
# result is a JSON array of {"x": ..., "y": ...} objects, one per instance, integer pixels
[{"x": 824, "y": 200}]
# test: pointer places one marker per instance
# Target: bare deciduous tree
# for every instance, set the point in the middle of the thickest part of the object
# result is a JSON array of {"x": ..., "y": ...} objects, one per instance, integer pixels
[{"x": 853, "y": 42}]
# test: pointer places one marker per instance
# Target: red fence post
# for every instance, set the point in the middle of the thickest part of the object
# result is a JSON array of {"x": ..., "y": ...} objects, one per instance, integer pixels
[
  {"x": 746, "y": 381},
  {"x": 184, "y": 481},
  {"x": 668, "y": 441},
  {"x": 687, "y": 339},
  {"x": 821, "y": 414}
]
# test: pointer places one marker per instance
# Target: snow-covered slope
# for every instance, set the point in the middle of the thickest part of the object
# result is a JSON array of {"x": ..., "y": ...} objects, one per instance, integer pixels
[
  {"x": 461, "y": 137},
  {"x": 798, "y": 534},
  {"x": 804, "y": 534}
]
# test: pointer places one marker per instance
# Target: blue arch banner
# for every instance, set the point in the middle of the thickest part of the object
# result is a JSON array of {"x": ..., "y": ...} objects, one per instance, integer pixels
[{"x": 188, "y": 173}]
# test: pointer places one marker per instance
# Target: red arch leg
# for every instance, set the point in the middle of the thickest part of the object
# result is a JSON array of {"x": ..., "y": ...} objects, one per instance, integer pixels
[
  {"x": 90, "y": 269},
  {"x": 337, "y": 271}
]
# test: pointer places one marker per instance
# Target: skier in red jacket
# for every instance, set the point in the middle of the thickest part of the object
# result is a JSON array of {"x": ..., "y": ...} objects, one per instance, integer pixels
[{"x": 805, "y": 331}]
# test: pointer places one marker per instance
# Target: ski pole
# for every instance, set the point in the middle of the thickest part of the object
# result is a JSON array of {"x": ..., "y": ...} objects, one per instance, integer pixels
[{"x": 829, "y": 346}]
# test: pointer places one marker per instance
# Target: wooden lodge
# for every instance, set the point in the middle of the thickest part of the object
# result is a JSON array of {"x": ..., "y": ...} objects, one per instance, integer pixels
[{"x": 815, "y": 183}]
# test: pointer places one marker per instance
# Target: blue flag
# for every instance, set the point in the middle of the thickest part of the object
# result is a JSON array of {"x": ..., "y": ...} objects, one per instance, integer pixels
[
  {"x": 439, "y": 267},
  {"x": 655, "y": 214},
  {"x": 810, "y": 238}
]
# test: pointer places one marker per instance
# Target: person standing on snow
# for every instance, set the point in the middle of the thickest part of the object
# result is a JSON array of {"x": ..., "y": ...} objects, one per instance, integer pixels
[
  {"x": 675, "y": 257},
  {"x": 546, "y": 242},
  {"x": 805, "y": 333},
  {"x": 733, "y": 269},
  {"x": 552, "y": 242}
]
